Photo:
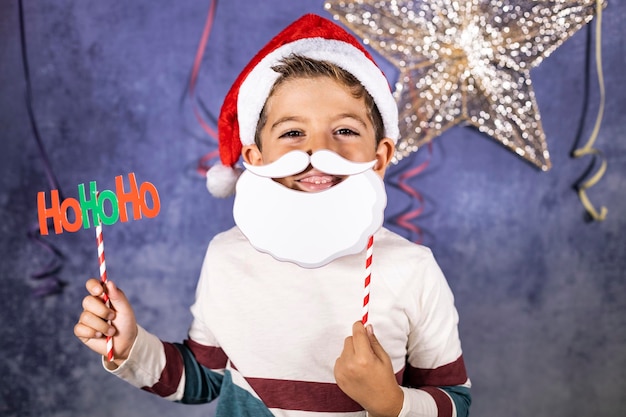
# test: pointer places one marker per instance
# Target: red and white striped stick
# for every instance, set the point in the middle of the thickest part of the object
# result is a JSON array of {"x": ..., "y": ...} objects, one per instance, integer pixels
[
  {"x": 103, "y": 278},
  {"x": 368, "y": 279}
]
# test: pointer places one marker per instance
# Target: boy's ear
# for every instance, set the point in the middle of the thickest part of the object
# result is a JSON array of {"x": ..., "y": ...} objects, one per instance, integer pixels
[
  {"x": 384, "y": 153},
  {"x": 252, "y": 155}
]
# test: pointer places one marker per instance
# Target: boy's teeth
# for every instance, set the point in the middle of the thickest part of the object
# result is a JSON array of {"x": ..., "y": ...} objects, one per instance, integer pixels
[{"x": 317, "y": 180}]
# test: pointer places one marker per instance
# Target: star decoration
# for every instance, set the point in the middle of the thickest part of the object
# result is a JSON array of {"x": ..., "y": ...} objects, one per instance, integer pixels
[{"x": 466, "y": 61}]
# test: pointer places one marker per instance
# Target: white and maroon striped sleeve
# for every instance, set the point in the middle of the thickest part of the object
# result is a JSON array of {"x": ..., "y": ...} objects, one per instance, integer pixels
[
  {"x": 435, "y": 359},
  {"x": 154, "y": 366}
]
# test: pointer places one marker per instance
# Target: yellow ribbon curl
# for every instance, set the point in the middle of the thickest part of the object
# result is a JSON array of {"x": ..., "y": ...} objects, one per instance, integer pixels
[{"x": 588, "y": 148}]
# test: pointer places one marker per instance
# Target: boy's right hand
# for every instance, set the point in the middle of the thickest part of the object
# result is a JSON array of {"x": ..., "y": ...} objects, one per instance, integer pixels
[{"x": 92, "y": 327}]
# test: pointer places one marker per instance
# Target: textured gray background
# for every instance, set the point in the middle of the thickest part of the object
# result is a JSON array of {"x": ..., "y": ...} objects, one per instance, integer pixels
[{"x": 540, "y": 291}]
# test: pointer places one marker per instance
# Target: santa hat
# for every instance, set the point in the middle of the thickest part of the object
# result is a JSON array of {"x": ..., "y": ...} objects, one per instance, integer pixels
[{"x": 311, "y": 36}]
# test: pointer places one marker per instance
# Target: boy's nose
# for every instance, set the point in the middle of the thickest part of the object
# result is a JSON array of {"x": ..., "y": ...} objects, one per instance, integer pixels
[{"x": 319, "y": 142}]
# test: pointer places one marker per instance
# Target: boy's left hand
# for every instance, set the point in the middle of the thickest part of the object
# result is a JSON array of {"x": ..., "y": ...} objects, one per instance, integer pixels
[{"x": 364, "y": 372}]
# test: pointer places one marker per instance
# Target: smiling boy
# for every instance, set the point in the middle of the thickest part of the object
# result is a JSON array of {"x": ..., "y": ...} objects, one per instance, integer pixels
[
  {"x": 316, "y": 106},
  {"x": 274, "y": 329}
]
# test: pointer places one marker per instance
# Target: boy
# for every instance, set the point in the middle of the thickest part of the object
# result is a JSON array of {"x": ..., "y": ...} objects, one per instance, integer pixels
[{"x": 315, "y": 122}]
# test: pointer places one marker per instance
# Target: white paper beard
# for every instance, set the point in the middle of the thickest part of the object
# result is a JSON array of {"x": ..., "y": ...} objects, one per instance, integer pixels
[{"x": 309, "y": 229}]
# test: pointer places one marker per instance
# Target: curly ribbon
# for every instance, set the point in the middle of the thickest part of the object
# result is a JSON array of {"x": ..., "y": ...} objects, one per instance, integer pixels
[
  {"x": 50, "y": 284},
  {"x": 203, "y": 164},
  {"x": 206, "y": 32},
  {"x": 407, "y": 220},
  {"x": 588, "y": 148}
]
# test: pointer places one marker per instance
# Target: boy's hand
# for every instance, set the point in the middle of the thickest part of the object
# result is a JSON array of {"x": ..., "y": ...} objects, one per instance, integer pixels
[
  {"x": 364, "y": 373},
  {"x": 92, "y": 327}
]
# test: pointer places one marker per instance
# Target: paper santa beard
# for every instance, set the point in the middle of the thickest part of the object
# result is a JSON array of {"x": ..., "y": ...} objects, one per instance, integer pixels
[{"x": 310, "y": 229}]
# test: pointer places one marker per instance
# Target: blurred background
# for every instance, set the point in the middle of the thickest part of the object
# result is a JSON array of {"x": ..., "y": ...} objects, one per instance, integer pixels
[{"x": 540, "y": 289}]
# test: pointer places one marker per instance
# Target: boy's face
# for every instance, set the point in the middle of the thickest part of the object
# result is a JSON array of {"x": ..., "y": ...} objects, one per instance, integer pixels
[{"x": 310, "y": 114}]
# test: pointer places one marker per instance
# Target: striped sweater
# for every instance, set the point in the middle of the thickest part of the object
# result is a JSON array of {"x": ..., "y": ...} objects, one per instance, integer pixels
[{"x": 265, "y": 334}]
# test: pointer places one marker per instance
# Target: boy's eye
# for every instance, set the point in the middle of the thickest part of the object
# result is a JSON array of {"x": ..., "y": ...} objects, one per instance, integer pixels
[
  {"x": 346, "y": 131},
  {"x": 291, "y": 134}
]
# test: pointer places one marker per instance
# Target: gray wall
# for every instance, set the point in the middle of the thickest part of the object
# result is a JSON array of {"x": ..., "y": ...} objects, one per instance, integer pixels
[{"x": 540, "y": 291}]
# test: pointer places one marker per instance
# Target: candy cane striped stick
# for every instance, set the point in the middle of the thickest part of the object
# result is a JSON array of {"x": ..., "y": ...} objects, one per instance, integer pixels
[
  {"x": 368, "y": 279},
  {"x": 103, "y": 278}
]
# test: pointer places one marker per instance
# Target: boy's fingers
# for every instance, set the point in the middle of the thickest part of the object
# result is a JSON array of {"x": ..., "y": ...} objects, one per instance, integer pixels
[
  {"x": 348, "y": 345},
  {"x": 374, "y": 343},
  {"x": 94, "y": 340},
  {"x": 95, "y": 306},
  {"x": 85, "y": 333},
  {"x": 360, "y": 339},
  {"x": 118, "y": 298},
  {"x": 94, "y": 287},
  {"x": 94, "y": 322}
]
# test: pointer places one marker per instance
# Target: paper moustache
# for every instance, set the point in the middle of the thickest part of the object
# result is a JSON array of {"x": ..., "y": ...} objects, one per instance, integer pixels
[
  {"x": 295, "y": 162},
  {"x": 332, "y": 163},
  {"x": 290, "y": 163}
]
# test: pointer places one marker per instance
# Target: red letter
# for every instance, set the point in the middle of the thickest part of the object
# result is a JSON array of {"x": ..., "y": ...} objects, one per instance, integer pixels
[
  {"x": 149, "y": 188},
  {"x": 78, "y": 213},
  {"x": 131, "y": 197},
  {"x": 53, "y": 212}
]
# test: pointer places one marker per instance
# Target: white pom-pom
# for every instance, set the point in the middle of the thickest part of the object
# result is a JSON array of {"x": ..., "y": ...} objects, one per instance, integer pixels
[{"x": 221, "y": 180}]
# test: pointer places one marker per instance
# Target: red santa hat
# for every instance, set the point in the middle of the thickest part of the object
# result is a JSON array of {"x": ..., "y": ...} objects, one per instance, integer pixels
[{"x": 311, "y": 36}]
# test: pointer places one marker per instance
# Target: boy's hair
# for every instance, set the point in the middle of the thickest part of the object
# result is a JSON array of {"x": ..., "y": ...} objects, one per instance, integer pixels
[{"x": 298, "y": 66}]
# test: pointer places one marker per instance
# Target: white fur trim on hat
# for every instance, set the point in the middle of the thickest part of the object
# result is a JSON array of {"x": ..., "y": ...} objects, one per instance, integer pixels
[
  {"x": 221, "y": 180},
  {"x": 255, "y": 89}
]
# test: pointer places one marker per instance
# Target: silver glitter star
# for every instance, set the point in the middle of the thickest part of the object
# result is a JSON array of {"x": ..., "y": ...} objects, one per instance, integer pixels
[{"x": 466, "y": 60}]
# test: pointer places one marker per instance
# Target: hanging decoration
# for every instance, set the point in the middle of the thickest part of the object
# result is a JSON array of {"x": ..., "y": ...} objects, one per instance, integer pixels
[
  {"x": 467, "y": 61},
  {"x": 48, "y": 279},
  {"x": 588, "y": 148},
  {"x": 204, "y": 164}
]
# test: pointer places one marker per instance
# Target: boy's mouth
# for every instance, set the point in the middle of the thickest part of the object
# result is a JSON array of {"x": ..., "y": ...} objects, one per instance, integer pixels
[{"x": 315, "y": 181}]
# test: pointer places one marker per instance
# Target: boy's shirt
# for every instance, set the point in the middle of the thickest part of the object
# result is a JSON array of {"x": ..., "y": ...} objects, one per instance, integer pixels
[{"x": 267, "y": 333}]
